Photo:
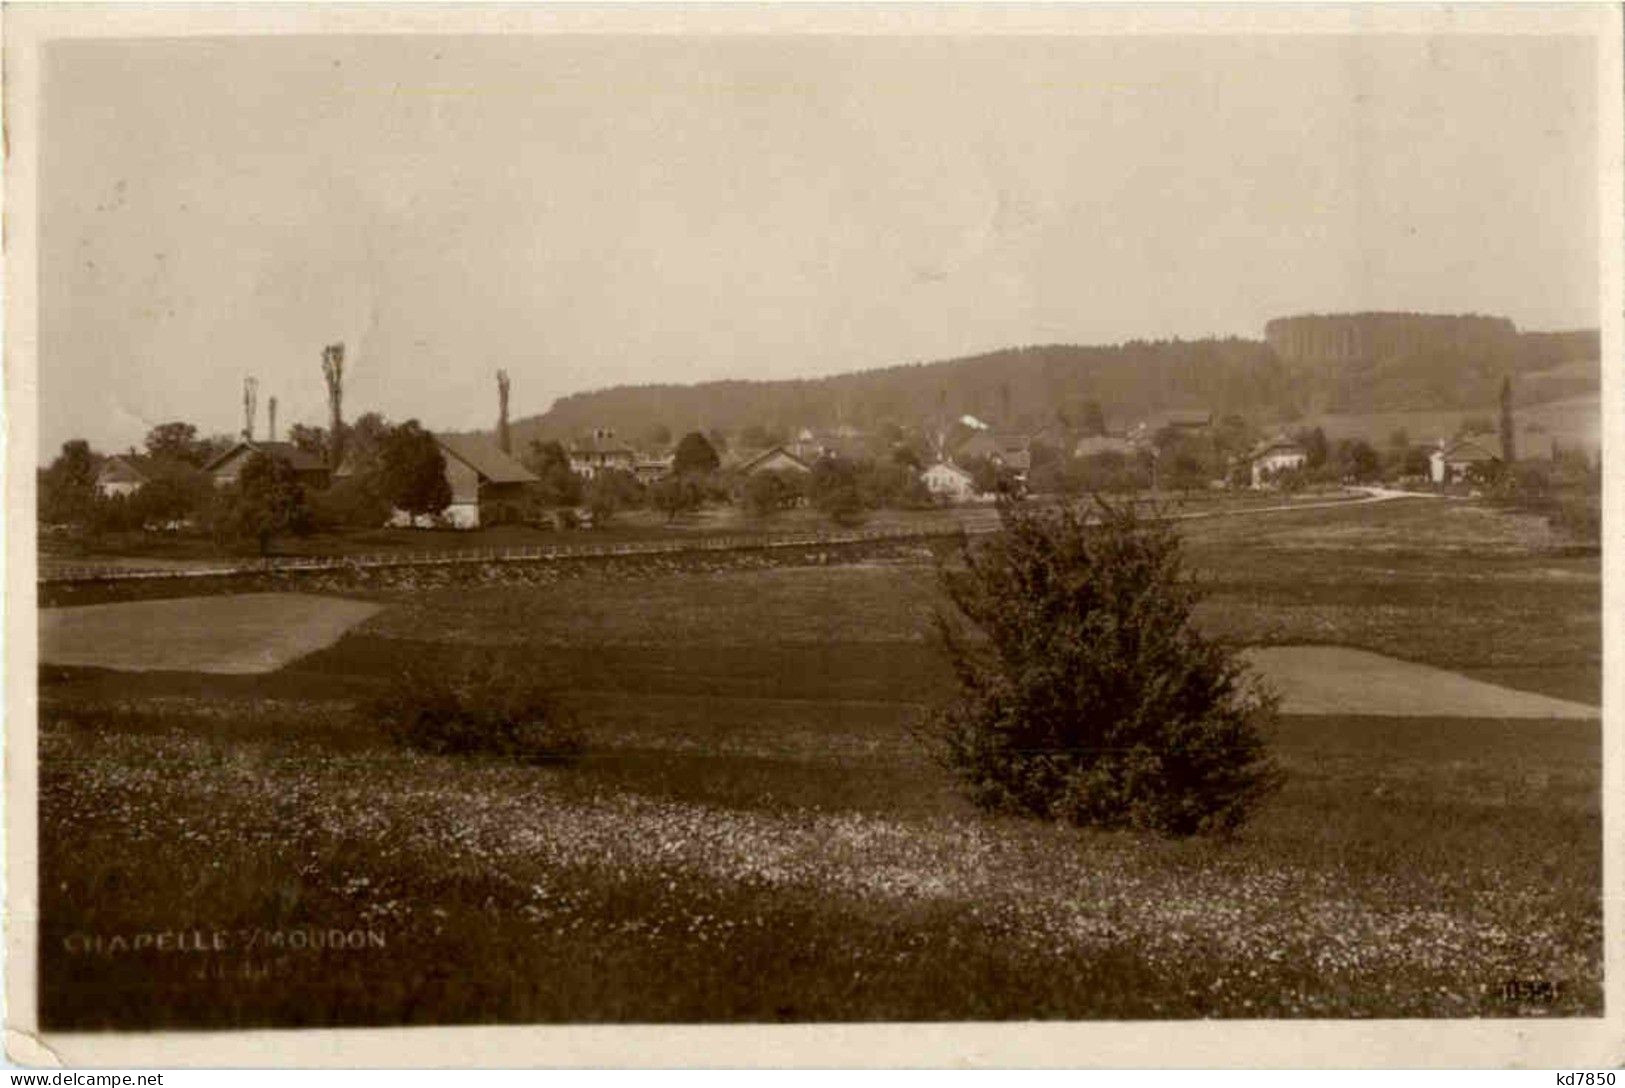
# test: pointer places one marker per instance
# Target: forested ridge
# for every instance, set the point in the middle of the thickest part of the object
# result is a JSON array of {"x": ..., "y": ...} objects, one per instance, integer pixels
[{"x": 1381, "y": 362}]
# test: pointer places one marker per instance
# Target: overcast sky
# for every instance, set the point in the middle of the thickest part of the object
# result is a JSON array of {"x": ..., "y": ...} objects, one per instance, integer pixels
[{"x": 592, "y": 211}]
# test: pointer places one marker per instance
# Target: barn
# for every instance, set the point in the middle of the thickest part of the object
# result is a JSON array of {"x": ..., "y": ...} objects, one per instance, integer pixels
[{"x": 487, "y": 486}]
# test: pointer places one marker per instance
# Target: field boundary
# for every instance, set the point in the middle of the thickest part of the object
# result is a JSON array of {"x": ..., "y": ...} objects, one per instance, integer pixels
[
  {"x": 543, "y": 553},
  {"x": 540, "y": 553}
]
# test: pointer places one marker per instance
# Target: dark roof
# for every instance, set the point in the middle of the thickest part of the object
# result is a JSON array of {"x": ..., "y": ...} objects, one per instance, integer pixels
[
  {"x": 122, "y": 468},
  {"x": 594, "y": 443},
  {"x": 1470, "y": 449},
  {"x": 296, "y": 458},
  {"x": 752, "y": 462},
  {"x": 486, "y": 458},
  {"x": 1181, "y": 417},
  {"x": 1270, "y": 445}
]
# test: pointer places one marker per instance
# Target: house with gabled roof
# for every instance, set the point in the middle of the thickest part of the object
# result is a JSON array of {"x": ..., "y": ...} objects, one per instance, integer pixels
[
  {"x": 488, "y": 487},
  {"x": 122, "y": 474},
  {"x": 1005, "y": 449},
  {"x": 1270, "y": 458},
  {"x": 310, "y": 470},
  {"x": 1466, "y": 458},
  {"x": 777, "y": 459},
  {"x": 599, "y": 451}
]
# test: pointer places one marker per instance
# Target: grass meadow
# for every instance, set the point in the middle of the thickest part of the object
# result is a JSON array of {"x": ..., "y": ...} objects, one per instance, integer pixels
[{"x": 758, "y": 834}]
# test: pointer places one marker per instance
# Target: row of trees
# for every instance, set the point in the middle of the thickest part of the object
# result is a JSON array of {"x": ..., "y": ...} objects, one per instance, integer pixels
[{"x": 391, "y": 467}]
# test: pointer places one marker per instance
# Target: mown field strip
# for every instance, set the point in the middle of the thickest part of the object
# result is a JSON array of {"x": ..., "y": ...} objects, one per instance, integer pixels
[{"x": 247, "y": 633}]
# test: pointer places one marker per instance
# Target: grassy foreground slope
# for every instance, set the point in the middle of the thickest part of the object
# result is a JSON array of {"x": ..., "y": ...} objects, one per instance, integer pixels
[{"x": 756, "y": 835}]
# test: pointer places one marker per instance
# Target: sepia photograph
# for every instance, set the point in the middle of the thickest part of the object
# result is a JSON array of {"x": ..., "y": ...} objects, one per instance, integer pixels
[{"x": 523, "y": 517}]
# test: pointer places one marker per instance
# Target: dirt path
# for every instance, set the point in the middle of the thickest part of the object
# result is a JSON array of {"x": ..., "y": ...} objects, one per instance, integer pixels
[{"x": 1372, "y": 495}]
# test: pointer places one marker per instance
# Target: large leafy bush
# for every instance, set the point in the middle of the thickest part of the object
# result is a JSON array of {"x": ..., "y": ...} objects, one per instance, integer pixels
[{"x": 1086, "y": 694}]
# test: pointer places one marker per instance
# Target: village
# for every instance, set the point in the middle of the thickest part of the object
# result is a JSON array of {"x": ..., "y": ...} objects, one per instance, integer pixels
[
  {"x": 825, "y": 530},
  {"x": 177, "y": 483}
]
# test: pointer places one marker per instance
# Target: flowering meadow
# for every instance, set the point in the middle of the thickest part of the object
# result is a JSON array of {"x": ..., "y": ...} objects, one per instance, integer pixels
[{"x": 757, "y": 834}]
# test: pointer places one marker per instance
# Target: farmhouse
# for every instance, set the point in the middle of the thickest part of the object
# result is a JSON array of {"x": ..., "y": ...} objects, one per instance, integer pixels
[
  {"x": 1011, "y": 451},
  {"x": 121, "y": 474},
  {"x": 1463, "y": 459},
  {"x": 1271, "y": 458},
  {"x": 777, "y": 459},
  {"x": 949, "y": 481},
  {"x": 599, "y": 451},
  {"x": 487, "y": 486},
  {"x": 307, "y": 467}
]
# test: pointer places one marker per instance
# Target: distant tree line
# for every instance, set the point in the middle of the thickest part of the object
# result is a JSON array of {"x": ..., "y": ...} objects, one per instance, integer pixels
[{"x": 1025, "y": 389}]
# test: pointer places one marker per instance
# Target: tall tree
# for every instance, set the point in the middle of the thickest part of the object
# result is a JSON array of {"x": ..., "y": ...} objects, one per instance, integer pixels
[
  {"x": 251, "y": 392},
  {"x": 695, "y": 456},
  {"x": 559, "y": 485},
  {"x": 364, "y": 439},
  {"x": 412, "y": 471},
  {"x": 333, "y": 375},
  {"x": 1509, "y": 434},
  {"x": 270, "y": 420},
  {"x": 504, "y": 438},
  {"x": 176, "y": 442},
  {"x": 266, "y": 503},
  {"x": 67, "y": 487}
]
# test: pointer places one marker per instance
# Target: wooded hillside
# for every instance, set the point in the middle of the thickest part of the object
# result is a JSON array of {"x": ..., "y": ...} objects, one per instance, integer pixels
[{"x": 1390, "y": 362}]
